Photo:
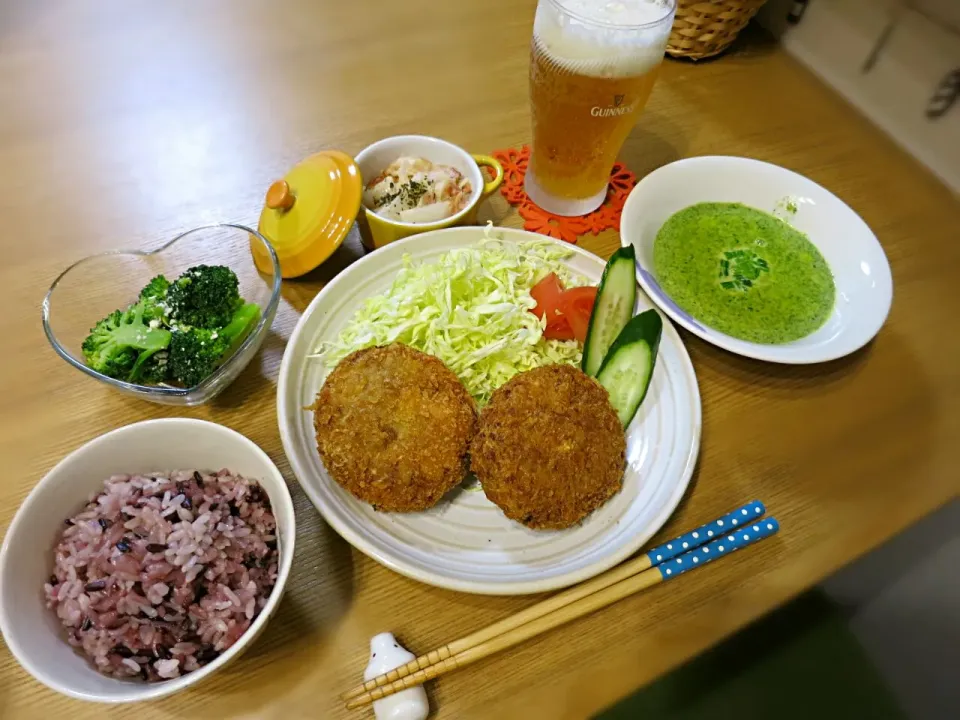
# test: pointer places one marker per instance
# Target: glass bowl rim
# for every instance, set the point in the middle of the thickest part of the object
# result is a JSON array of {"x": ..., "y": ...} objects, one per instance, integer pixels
[{"x": 266, "y": 317}]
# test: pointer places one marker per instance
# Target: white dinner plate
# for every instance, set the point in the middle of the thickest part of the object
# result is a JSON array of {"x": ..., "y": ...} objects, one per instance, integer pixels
[
  {"x": 856, "y": 259},
  {"x": 465, "y": 543}
]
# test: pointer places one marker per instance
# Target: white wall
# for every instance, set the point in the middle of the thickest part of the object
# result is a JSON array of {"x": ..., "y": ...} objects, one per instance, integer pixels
[{"x": 835, "y": 38}]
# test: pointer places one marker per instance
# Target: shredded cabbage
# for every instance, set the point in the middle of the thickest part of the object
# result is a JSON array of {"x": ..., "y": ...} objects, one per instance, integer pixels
[{"x": 470, "y": 308}]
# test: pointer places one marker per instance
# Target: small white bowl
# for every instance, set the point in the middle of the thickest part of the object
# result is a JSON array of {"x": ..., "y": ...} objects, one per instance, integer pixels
[
  {"x": 32, "y": 632},
  {"x": 860, "y": 268}
]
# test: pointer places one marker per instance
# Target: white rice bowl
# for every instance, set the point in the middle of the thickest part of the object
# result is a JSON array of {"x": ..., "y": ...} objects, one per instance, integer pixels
[{"x": 36, "y": 634}]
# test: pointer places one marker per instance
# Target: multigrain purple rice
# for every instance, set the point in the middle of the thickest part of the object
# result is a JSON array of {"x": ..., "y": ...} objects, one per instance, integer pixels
[{"x": 160, "y": 574}]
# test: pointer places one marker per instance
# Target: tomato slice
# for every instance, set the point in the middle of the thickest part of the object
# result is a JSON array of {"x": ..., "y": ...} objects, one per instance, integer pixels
[
  {"x": 567, "y": 311},
  {"x": 558, "y": 328},
  {"x": 547, "y": 294},
  {"x": 576, "y": 305}
]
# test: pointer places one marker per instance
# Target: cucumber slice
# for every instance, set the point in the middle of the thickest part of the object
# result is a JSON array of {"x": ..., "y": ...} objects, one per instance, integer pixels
[
  {"x": 628, "y": 367},
  {"x": 612, "y": 310}
]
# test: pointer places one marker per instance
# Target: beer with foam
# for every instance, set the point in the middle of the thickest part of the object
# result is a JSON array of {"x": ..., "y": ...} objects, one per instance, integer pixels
[{"x": 592, "y": 67}]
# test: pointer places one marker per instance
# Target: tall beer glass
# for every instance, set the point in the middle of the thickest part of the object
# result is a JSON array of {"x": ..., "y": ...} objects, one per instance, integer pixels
[{"x": 592, "y": 67}]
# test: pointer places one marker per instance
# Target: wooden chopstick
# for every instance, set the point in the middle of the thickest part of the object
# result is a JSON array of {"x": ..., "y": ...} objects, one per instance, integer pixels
[
  {"x": 739, "y": 537},
  {"x": 656, "y": 556}
]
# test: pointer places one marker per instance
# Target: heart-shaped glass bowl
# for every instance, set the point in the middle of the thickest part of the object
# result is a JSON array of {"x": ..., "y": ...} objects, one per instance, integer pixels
[{"x": 92, "y": 288}]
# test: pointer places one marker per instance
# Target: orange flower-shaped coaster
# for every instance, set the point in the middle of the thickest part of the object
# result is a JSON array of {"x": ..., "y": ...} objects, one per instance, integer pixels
[{"x": 536, "y": 219}]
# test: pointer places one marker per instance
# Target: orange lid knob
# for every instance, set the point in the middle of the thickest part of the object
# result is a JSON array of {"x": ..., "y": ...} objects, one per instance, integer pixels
[{"x": 279, "y": 196}]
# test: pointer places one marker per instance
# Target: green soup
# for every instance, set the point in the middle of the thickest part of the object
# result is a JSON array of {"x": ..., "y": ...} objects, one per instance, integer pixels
[{"x": 743, "y": 272}]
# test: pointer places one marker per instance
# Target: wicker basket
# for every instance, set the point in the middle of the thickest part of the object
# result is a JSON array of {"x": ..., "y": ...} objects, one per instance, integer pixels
[{"x": 703, "y": 28}]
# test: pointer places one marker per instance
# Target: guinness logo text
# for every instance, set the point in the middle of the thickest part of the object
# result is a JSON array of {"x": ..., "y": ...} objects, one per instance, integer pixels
[{"x": 616, "y": 110}]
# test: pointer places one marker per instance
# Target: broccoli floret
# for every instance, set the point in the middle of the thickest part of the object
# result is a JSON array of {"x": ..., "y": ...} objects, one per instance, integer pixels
[
  {"x": 122, "y": 342},
  {"x": 153, "y": 297},
  {"x": 156, "y": 288},
  {"x": 205, "y": 296},
  {"x": 156, "y": 368},
  {"x": 196, "y": 352}
]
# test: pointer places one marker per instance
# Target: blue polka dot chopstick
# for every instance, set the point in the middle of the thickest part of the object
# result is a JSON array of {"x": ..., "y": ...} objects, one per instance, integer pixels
[
  {"x": 706, "y": 541},
  {"x": 706, "y": 533},
  {"x": 743, "y": 534},
  {"x": 737, "y": 530}
]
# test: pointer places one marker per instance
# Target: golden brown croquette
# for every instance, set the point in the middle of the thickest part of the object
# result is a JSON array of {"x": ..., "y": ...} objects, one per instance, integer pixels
[
  {"x": 394, "y": 426},
  {"x": 549, "y": 449}
]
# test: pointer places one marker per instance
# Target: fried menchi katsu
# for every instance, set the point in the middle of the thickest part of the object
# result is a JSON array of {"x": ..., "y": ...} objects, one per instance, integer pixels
[
  {"x": 394, "y": 426},
  {"x": 549, "y": 449}
]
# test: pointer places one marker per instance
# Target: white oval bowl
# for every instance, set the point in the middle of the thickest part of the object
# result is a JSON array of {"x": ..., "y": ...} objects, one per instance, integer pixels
[
  {"x": 466, "y": 543},
  {"x": 859, "y": 266},
  {"x": 33, "y": 633}
]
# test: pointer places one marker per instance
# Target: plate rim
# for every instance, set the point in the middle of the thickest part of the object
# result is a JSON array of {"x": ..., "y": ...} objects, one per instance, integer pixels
[
  {"x": 440, "y": 580},
  {"x": 757, "y": 351}
]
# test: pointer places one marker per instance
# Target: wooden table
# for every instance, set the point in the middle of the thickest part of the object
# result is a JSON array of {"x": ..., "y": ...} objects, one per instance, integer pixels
[{"x": 123, "y": 123}]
